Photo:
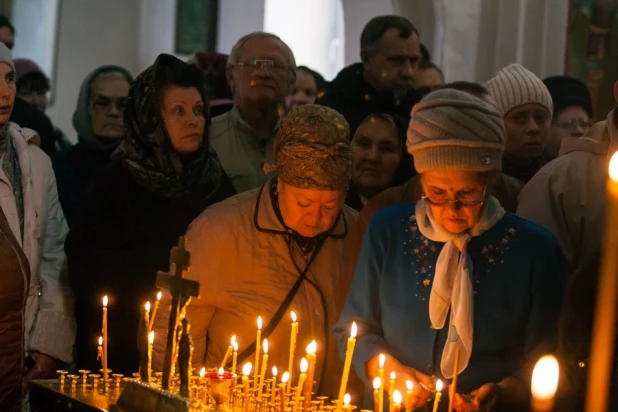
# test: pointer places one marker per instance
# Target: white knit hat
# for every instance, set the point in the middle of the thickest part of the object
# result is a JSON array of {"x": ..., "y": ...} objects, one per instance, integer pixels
[
  {"x": 514, "y": 86},
  {"x": 453, "y": 130},
  {"x": 6, "y": 56}
]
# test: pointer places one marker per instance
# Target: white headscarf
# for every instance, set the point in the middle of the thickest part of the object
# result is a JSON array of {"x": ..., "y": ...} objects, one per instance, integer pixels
[{"x": 452, "y": 284}]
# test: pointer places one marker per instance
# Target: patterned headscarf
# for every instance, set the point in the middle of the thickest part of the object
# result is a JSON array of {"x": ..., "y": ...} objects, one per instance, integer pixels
[
  {"x": 312, "y": 149},
  {"x": 147, "y": 149}
]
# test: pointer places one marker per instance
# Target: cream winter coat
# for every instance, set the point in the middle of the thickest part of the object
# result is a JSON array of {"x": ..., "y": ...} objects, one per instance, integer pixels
[{"x": 49, "y": 320}]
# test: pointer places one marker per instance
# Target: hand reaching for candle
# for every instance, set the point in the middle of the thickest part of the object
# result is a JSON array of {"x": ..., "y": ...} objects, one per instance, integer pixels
[
  {"x": 485, "y": 398},
  {"x": 421, "y": 382}
]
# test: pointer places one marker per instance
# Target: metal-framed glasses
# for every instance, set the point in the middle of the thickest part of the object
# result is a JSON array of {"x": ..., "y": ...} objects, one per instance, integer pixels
[
  {"x": 268, "y": 65},
  {"x": 570, "y": 124},
  {"x": 461, "y": 201}
]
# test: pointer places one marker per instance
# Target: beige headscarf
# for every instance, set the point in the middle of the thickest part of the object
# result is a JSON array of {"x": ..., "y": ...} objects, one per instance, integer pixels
[{"x": 312, "y": 149}]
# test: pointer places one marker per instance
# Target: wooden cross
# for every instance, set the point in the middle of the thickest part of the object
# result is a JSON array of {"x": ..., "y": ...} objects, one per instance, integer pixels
[{"x": 181, "y": 290}]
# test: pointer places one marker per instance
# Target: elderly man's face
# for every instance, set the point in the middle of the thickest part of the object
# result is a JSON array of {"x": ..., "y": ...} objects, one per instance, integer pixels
[
  {"x": 393, "y": 63},
  {"x": 262, "y": 73}
]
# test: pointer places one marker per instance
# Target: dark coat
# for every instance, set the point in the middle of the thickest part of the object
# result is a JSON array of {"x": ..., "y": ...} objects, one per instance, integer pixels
[
  {"x": 355, "y": 99},
  {"x": 75, "y": 168},
  {"x": 119, "y": 240},
  {"x": 26, "y": 115}
]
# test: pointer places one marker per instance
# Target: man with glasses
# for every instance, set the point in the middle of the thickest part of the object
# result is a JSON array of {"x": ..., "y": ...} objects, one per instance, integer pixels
[
  {"x": 99, "y": 125},
  {"x": 383, "y": 82},
  {"x": 572, "y": 112},
  {"x": 261, "y": 71}
]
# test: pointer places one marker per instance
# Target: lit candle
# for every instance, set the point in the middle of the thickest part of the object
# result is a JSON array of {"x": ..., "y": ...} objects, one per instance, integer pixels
[
  {"x": 234, "y": 358},
  {"x": 377, "y": 384},
  {"x": 154, "y": 311},
  {"x": 397, "y": 398},
  {"x": 346, "y": 402},
  {"x": 263, "y": 373},
  {"x": 346, "y": 366},
  {"x": 150, "y": 346},
  {"x": 105, "y": 301},
  {"x": 382, "y": 359},
  {"x": 544, "y": 384},
  {"x": 292, "y": 348},
  {"x": 391, "y": 389},
  {"x": 100, "y": 350},
  {"x": 203, "y": 384},
  {"x": 602, "y": 348},
  {"x": 246, "y": 371},
  {"x": 409, "y": 388},
  {"x": 229, "y": 351},
  {"x": 311, "y": 358},
  {"x": 282, "y": 390},
  {"x": 436, "y": 401},
  {"x": 304, "y": 365},
  {"x": 273, "y": 390},
  {"x": 258, "y": 341},
  {"x": 147, "y": 313}
]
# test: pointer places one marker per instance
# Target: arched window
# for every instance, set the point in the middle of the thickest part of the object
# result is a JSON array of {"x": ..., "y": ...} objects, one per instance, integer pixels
[{"x": 314, "y": 30}]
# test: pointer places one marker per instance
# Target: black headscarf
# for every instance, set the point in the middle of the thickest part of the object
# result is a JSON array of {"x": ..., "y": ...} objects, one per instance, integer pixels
[{"x": 147, "y": 150}]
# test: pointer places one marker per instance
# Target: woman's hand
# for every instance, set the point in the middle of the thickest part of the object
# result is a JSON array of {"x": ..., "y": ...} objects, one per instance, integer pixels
[
  {"x": 485, "y": 398},
  {"x": 421, "y": 382}
]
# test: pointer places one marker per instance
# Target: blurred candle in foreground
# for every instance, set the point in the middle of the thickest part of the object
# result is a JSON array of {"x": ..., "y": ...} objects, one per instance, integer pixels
[
  {"x": 397, "y": 398},
  {"x": 273, "y": 390},
  {"x": 154, "y": 311},
  {"x": 282, "y": 390},
  {"x": 409, "y": 388},
  {"x": 377, "y": 384},
  {"x": 304, "y": 365},
  {"x": 246, "y": 371},
  {"x": 604, "y": 332},
  {"x": 382, "y": 360},
  {"x": 346, "y": 402},
  {"x": 391, "y": 389},
  {"x": 545, "y": 383}
]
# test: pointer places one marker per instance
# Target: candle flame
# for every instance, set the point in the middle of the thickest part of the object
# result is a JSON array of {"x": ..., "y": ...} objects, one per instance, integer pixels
[
  {"x": 151, "y": 337},
  {"x": 159, "y": 296},
  {"x": 393, "y": 376},
  {"x": 259, "y": 323},
  {"x": 439, "y": 386},
  {"x": 202, "y": 372},
  {"x": 100, "y": 340},
  {"x": 293, "y": 316},
  {"x": 613, "y": 167},
  {"x": 221, "y": 371},
  {"x": 285, "y": 378},
  {"x": 265, "y": 346},
  {"x": 397, "y": 398},
  {"x": 546, "y": 373},
  {"x": 377, "y": 382},
  {"x": 312, "y": 348},
  {"x": 382, "y": 360},
  {"x": 275, "y": 371},
  {"x": 347, "y": 399},
  {"x": 105, "y": 301},
  {"x": 235, "y": 346},
  {"x": 409, "y": 385},
  {"x": 233, "y": 341},
  {"x": 354, "y": 330},
  {"x": 147, "y": 306},
  {"x": 304, "y": 365},
  {"x": 246, "y": 369}
]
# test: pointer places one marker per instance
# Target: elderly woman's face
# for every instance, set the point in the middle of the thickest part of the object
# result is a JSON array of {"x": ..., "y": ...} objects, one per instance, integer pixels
[
  {"x": 446, "y": 189},
  {"x": 308, "y": 211},
  {"x": 182, "y": 109}
]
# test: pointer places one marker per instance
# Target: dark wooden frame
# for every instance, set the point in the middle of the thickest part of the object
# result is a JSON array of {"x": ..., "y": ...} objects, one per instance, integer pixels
[{"x": 188, "y": 25}]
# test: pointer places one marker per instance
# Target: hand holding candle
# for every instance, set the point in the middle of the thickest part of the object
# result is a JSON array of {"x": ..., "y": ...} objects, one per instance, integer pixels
[
  {"x": 264, "y": 363},
  {"x": 304, "y": 365},
  {"x": 544, "y": 384},
  {"x": 154, "y": 311},
  {"x": 346, "y": 366},
  {"x": 292, "y": 348}
]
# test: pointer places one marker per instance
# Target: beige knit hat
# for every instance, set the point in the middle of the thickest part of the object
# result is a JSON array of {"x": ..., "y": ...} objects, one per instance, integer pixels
[
  {"x": 515, "y": 85},
  {"x": 453, "y": 130}
]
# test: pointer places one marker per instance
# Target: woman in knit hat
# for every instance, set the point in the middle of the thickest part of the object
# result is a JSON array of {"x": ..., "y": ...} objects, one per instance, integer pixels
[
  {"x": 572, "y": 112},
  {"x": 455, "y": 273},
  {"x": 275, "y": 249}
]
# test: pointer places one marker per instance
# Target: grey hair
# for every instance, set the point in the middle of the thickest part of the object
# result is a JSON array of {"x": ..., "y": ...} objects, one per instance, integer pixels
[
  {"x": 112, "y": 74},
  {"x": 232, "y": 59}
]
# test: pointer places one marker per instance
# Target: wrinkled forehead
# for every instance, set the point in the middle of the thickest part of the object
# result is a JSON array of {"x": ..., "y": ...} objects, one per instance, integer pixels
[
  {"x": 112, "y": 87},
  {"x": 264, "y": 48}
]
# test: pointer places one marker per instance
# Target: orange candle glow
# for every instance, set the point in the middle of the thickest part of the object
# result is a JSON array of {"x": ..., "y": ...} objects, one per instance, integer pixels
[
  {"x": 234, "y": 358},
  {"x": 273, "y": 389},
  {"x": 397, "y": 398},
  {"x": 545, "y": 384},
  {"x": 311, "y": 358},
  {"x": 229, "y": 351},
  {"x": 263, "y": 373},
  {"x": 292, "y": 347},
  {"x": 282, "y": 390},
  {"x": 382, "y": 360},
  {"x": 246, "y": 371},
  {"x": 346, "y": 366},
  {"x": 258, "y": 341},
  {"x": 105, "y": 372},
  {"x": 304, "y": 365},
  {"x": 154, "y": 311}
]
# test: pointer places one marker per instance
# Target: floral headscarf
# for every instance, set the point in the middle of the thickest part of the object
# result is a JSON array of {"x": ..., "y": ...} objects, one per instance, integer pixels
[{"x": 147, "y": 150}]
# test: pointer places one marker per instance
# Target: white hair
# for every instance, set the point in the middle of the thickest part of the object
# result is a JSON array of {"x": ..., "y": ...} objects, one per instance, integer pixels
[{"x": 232, "y": 59}]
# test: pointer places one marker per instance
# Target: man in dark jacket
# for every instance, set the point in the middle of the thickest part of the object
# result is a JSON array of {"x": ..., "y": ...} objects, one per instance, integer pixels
[
  {"x": 98, "y": 122},
  {"x": 383, "y": 81}
]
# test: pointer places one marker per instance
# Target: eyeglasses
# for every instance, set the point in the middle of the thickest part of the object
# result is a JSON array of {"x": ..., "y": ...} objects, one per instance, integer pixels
[
  {"x": 570, "y": 124},
  {"x": 104, "y": 104},
  {"x": 254, "y": 65},
  {"x": 462, "y": 201}
]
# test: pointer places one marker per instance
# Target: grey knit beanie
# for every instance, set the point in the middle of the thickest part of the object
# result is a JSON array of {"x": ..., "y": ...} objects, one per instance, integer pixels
[
  {"x": 515, "y": 85},
  {"x": 453, "y": 130},
  {"x": 6, "y": 56}
]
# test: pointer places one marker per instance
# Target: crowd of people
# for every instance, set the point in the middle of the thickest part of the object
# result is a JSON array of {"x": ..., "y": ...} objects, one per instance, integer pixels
[{"x": 443, "y": 218}]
